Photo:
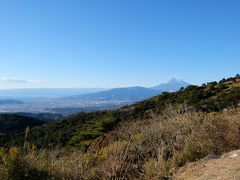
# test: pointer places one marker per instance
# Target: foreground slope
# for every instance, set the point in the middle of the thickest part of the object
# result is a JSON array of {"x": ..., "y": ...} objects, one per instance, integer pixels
[
  {"x": 151, "y": 149},
  {"x": 225, "y": 167}
]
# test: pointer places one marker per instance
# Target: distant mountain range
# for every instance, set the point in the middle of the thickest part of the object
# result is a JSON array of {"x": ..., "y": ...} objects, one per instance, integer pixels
[
  {"x": 70, "y": 101},
  {"x": 120, "y": 94},
  {"x": 14, "y": 96},
  {"x": 133, "y": 94}
]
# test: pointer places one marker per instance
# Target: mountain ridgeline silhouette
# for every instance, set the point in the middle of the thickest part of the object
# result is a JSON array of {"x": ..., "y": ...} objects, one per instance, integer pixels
[{"x": 133, "y": 94}]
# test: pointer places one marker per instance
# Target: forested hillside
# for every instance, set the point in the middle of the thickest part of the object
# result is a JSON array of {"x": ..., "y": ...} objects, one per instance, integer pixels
[{"x": 10, "y": 123}]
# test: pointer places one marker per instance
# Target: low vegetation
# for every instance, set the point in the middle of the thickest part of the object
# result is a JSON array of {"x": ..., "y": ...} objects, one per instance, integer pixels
[{"x": 153, "y": 149}]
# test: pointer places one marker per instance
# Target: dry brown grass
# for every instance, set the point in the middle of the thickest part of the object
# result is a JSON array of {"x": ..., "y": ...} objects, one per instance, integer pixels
[
  {"x": 150, "y": 149},
  {"x": 20, "y": 163},
  {"x": 158, "y": 148}
]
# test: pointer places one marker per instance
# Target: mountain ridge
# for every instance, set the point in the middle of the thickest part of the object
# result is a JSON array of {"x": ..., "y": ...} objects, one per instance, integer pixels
[{"x": 134, "y": 93}]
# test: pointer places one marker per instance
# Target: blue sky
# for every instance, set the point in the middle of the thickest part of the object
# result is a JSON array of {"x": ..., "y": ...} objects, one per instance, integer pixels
[{"x": 111, "y": 43}]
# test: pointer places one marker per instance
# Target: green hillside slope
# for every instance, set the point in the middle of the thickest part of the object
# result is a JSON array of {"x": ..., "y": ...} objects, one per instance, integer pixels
[{"x": 13, "y": 122}]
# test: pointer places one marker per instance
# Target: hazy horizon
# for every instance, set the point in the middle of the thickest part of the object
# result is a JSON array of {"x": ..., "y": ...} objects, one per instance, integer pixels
[
  {"x": 86, "y": 88},
  {"x": 112, "y": 87}
]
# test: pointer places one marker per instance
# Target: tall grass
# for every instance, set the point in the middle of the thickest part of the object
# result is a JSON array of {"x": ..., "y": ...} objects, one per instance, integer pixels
[
  {"x": 158, "y": 146},
  {"x": 151, "y": 149}
]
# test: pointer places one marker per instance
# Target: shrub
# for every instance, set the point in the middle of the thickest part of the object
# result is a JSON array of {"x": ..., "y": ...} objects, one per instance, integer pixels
[
  {"x": 14, "y": 165},
  {"x": 150, "y": 149},
  {"x": 155, "y": 168}
]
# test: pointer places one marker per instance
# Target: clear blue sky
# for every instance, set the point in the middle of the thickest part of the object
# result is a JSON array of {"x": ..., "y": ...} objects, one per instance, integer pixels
[{"x": 112, "y": 43}]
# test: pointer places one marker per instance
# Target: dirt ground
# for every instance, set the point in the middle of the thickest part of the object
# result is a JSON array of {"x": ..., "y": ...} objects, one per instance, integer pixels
[{"x": 213, "y": 168}]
